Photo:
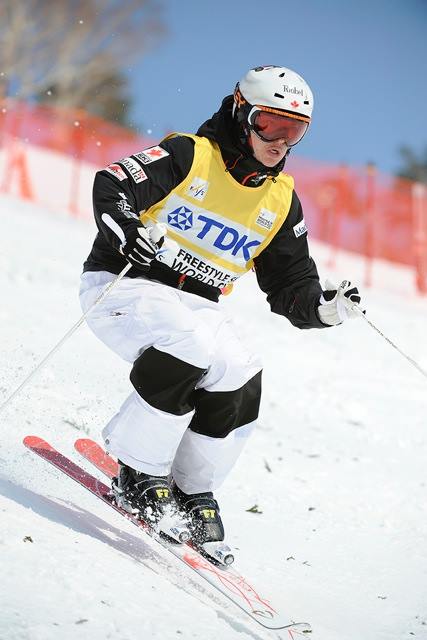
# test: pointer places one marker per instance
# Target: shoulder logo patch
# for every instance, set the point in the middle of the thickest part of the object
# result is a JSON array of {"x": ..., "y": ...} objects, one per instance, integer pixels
[
  {"x": 117, "y": 171},
  {"x": 151, "y": 154},
  {"x": 134, "y": 169},
  {"x": 300, "y": 228}
]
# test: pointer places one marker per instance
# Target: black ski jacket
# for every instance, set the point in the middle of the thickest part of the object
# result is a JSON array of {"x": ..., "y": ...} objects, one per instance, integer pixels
[{"x": 285, "y": 271}]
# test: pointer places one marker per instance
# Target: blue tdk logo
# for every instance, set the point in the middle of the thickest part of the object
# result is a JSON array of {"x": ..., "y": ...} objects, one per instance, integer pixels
[
  {"x": 226, "y": 238},
  {"x": 214, "y": 233},
  {"x": 181, "y": 218}
]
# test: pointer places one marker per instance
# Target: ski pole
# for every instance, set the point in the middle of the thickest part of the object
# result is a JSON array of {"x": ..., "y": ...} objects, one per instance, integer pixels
[
  {"x": 411, "y": 360},
  {"x": 69, "y": 333},
  {"x": 158, "y": 231}
]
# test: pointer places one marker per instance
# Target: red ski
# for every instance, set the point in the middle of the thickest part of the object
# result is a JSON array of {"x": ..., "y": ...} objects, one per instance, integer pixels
[{"x": 226, "y": 580}]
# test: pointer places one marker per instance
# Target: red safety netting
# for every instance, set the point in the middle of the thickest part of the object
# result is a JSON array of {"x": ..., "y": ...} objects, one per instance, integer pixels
[
  {"x": 358, "y": 210},
  {"x": 71, "y": 132}
]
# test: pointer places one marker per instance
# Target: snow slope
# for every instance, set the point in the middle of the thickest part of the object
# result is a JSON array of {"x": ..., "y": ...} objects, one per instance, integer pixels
[{"x": 337, "y": 466}]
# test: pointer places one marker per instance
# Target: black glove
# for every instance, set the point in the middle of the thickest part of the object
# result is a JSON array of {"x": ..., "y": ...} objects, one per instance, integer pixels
[{"x": 142, "y": 244}]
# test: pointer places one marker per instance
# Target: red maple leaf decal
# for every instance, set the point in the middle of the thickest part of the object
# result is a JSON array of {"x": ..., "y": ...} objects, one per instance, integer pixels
[
  {"x": 154, "y": 152},
  {"x": 295, "y": 104}
]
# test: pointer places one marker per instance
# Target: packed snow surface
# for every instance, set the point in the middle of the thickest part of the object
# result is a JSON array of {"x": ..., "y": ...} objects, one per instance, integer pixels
[{"x": 336, "y": 469}]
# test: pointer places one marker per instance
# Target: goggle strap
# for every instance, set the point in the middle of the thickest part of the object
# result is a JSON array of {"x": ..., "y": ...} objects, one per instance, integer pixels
[{"x": 286, "y": 114}]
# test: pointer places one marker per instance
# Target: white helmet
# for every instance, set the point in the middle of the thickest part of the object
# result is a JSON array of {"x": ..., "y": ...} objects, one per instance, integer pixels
[{"x": 273, "y": 102}]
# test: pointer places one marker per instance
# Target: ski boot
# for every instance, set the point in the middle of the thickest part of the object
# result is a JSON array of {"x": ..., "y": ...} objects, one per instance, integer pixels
[
  {"x": 205, "y": 524},
  {"x": 150, "y": 498}
]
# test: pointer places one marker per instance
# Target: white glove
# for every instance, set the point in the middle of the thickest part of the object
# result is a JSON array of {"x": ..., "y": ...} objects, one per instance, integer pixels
[
  {"x": 338, "y": 303},
  {"x": 168, "y": 251}
]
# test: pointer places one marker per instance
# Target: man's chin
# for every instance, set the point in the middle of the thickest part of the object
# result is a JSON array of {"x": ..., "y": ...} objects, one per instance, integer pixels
[{"x": 270, "y": 162}]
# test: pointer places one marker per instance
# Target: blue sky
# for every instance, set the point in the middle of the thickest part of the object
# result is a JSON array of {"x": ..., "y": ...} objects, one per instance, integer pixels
[{"x": 365, "y": 61}]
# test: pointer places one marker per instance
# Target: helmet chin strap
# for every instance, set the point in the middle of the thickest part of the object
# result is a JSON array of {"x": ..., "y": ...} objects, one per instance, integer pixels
[{"x": 286, "y": 156}]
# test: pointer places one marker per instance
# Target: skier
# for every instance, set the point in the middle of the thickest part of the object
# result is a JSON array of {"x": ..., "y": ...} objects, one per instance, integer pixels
[{"x": 227, "y": 207}]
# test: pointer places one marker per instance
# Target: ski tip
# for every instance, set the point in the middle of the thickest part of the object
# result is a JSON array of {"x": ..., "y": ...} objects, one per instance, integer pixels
[
  {"x": 84, "y": 444},
  {"x": 35, "y": 442}
]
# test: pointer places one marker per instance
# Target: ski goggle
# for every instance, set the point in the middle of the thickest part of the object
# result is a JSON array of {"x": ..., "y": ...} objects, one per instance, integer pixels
[{"x": 271, "y": 124}]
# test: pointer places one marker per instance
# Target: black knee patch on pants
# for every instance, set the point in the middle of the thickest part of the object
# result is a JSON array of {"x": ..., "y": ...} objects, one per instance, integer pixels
[
  {"x": 220, "y": 412},
  {"x": 165, "y": 382}
]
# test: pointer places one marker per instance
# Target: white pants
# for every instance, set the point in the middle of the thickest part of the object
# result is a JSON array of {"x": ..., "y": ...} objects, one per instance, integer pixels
[{"x": 141, "y": 314}]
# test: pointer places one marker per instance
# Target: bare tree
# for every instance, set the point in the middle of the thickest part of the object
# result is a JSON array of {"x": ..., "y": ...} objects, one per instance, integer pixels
[{"x": 74, "y": 53}]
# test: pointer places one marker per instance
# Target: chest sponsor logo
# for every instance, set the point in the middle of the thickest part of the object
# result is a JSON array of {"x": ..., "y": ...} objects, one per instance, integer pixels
[
  {"x": 116, "y": 170},
  {"x": 181, "y": 218},
  {"x": 215, "y": 234},
  {"x": 134, "y": 169},
  {"x": 195, "y": 267},
  {"x": 151, "y": 154},
  {"x": 266, "y": 219},
  {"x": 198, "y": 188},
  {"x": 300, "y": 228}
]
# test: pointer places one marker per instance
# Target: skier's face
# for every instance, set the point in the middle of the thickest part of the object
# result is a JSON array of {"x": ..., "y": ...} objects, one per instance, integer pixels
[{"x": 268, "y": 153}]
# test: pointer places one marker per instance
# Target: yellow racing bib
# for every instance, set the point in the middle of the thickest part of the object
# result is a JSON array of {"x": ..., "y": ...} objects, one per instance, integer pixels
[{"x": 219, "y": 224}]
